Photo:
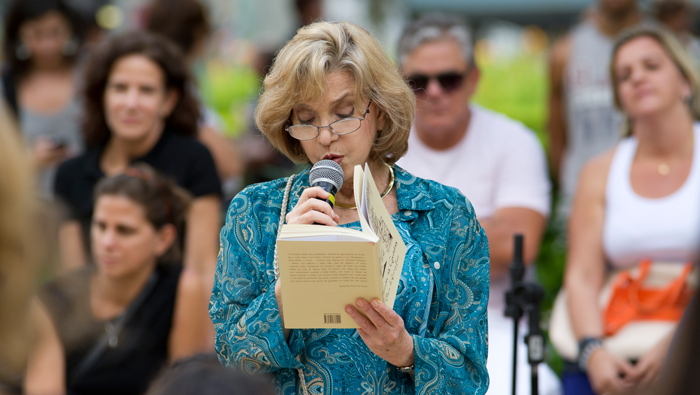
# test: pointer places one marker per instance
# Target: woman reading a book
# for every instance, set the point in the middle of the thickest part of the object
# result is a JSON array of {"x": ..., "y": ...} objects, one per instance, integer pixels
[{"x": 333, "y": 94}]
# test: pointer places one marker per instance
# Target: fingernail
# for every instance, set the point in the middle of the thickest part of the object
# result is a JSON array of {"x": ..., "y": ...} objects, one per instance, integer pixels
[
  {"x": 361, "y": 302},
  {"x": 375, "y": 303},
  {"x": 348, "y": 309}
]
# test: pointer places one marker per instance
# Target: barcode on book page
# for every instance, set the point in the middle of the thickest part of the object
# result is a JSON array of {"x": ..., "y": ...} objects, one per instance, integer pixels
[{"x": 331, "y": 318}]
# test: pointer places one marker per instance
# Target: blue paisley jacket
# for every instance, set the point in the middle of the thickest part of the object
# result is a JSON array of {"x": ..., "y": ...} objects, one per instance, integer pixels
[{"x": 442, "y": 298}]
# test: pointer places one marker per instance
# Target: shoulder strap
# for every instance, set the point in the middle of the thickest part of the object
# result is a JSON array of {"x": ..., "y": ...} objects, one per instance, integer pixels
[
  {"x": 285, "y": 202},
  {"x": 283, "y": 213},
  {"x": 103, "y": 342}
]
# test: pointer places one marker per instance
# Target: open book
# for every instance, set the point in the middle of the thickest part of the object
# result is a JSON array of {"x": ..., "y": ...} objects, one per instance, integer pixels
[{"x": 325, "y": 268}]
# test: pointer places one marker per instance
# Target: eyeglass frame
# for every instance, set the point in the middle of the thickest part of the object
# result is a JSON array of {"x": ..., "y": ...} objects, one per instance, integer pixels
[{"x": 329, "y": 126}]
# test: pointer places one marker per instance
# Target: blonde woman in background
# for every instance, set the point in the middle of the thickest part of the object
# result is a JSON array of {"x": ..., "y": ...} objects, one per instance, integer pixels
[{"x": 638, "y": 201}]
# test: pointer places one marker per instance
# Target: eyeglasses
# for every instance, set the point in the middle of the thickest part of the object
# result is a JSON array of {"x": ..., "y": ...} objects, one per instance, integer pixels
[
  {"x": 449, "y": 81},
  {"x": 341, "y": 127}
]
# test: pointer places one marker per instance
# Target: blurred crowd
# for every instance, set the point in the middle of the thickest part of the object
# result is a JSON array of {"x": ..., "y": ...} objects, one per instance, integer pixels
[{"x": 117, "y": 177}]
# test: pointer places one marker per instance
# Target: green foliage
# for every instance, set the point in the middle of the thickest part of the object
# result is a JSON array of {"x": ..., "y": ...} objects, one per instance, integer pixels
[
  {"x": 516, "y": 87},
  {"x": 230, "y": 90}
]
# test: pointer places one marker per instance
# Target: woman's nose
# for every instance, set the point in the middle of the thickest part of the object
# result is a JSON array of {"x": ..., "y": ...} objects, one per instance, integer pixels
[
  {"x": 325, "y": 136},
  {"x": 637, "y": 75},
  {"x": 108, "y": 239},
  {"x": 131, "y": 97}
]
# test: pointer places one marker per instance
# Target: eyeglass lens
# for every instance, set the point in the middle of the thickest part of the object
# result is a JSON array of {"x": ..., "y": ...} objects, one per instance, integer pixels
[
  {"x": 343, "y": 126},
  {"x": 449, "y": 81}
]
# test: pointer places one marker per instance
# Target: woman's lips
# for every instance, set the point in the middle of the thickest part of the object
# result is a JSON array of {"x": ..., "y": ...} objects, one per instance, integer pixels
[
  {"x": 334, "y": 158},
  {"x": 108, "y": 261}
]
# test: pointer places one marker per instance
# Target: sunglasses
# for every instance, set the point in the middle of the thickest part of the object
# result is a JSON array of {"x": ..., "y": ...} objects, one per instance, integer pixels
[{"x": 449, "y": 81}]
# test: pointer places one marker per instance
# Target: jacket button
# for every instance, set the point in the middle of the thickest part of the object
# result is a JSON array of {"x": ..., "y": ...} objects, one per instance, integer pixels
[{"x": 436, "y": 265}]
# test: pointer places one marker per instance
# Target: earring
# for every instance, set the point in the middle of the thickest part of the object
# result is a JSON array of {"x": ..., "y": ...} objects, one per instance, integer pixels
[
  {"x": 22, "y": 52},
  {"x": 688, "y": 100},
  {"x": 71, "y": 47}
]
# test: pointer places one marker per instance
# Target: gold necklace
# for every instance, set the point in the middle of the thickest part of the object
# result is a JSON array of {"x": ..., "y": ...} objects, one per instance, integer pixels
[{"x": 386, "y": 191}]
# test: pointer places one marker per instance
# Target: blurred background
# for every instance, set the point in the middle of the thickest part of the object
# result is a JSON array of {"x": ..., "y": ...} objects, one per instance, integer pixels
[{"x": 513, "y": 38}]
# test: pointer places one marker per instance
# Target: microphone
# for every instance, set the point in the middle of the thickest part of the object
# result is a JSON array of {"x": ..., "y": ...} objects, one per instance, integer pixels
[{"x": 329, "y": 176}]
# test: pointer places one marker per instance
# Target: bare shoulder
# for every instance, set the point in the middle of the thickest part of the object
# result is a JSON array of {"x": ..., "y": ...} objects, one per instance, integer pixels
[{"x": 594, "y": 174}]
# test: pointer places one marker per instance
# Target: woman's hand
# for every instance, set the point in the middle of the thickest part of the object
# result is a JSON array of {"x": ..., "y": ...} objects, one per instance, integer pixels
[
  {"x": 311, "y": 210},
  {"x": 608, "y": 373},
  {"x": 383, "y": 332},
  {"x": 648, "y": 368},
  {"x": 45, "y": 153}
]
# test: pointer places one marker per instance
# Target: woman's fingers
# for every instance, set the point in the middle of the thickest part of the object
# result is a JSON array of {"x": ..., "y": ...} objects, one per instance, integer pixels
[
  {"x": 393, "y": 343},
  {"x": 605, "y": 371},
  {"x": 646, "y": 371},
  {"x": 363, "y": 322},
  {"x": 389, "y": 315},
  {"x": 377, "y": 319},
  {"x": 314, "y": 217},
  {"x": 310, "y": 209}
]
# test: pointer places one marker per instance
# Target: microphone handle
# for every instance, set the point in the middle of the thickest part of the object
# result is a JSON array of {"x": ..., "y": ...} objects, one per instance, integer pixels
[{"x": 328, "y": 187}]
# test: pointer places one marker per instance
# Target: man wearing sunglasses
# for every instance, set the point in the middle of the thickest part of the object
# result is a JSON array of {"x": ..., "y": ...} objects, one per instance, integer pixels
[{"x": 497, "y": 163}]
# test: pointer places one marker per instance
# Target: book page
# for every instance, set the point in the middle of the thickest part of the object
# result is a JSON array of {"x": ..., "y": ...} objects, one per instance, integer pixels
[
  {"x": 392, "y": 248},
  {"x": 360, "y": 188},
  {"x": 304, "y": 232}
]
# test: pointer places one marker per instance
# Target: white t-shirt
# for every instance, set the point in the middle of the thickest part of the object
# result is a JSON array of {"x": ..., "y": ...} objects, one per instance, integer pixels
[{"x": 499, "y": 163}]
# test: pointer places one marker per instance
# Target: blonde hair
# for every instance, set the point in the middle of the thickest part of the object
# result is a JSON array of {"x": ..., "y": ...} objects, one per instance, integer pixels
[
  {"x": 17, "y": 272},
  {"x": 300, "y": 71},
  {"x": 675, "y": 51}
]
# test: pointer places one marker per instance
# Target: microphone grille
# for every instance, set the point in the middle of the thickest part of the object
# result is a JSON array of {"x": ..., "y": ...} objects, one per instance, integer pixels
[{"x": 327, "y": 170}]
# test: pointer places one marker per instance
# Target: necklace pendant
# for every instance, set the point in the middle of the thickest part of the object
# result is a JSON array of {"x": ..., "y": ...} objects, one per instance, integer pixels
[
  {"x": 112, "y": 336},
  {"x": 663, "y": 169}
]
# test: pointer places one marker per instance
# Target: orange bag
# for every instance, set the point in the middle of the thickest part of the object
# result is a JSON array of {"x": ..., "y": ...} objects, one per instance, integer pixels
[{"x": 631, "y": 301}]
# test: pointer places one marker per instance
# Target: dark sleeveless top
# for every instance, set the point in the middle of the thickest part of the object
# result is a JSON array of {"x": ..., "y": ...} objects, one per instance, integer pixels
[{"x": 142, "y": 348}]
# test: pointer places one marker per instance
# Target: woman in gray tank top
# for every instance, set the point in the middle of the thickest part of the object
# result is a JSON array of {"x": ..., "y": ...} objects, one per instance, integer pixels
[{"x": 42, "y": 39}]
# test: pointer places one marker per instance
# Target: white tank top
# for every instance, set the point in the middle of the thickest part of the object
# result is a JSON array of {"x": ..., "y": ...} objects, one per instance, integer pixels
[{"x": 636, "y": 228}]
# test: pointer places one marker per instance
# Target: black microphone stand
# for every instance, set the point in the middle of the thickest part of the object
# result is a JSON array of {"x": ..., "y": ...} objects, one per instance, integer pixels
[{"x": 525, "y": 297}]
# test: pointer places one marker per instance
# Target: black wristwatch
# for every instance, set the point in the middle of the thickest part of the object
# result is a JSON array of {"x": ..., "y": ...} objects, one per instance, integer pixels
[{"x": 585, "y": 348}]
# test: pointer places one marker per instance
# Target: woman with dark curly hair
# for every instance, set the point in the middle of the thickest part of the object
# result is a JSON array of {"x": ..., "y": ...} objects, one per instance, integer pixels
[{"x": 138, "y": 108}]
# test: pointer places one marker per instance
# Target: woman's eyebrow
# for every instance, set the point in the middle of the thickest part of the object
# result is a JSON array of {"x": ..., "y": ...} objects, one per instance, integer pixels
[{"x": 302, "y": 106}]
